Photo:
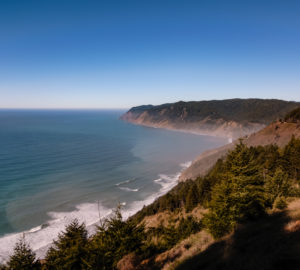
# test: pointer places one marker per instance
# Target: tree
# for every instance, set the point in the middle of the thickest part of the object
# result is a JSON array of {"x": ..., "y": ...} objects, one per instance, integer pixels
[
  {"x": 235, "y": 199},
  {"x": 70, "y": 250},
  {"x": 192, "y": 198},
  {"x": 291, "y": 158},
  {"x": 23, "y": 257},
  {"x": 114, "y": 239},
  {"x": 277, "y": 186}
]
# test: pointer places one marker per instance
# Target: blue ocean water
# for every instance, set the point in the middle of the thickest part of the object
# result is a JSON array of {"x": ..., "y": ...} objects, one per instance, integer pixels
[{"x": 56, "y": 165}]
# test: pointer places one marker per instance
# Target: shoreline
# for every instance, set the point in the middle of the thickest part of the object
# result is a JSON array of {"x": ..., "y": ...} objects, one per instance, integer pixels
[
  {"x": 41, "y": 237},
  {"x": 188, "y": 131},
  {"x": 203, "y": 154}
]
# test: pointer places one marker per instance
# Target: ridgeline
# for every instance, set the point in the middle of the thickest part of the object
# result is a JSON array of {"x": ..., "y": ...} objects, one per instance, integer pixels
[{"x": 232, "y": 118}]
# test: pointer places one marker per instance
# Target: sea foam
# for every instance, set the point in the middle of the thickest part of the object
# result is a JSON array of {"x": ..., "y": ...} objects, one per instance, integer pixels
[{"x": 40, "y": 237}]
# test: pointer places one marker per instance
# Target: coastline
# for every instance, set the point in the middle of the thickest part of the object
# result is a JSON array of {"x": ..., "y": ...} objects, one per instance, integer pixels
[
  {"x": 211, "y": 154},
  {"x": 41, "y": 237},
  {"x": 189, "y": 131},
  {"x": 230, "y": 130}
]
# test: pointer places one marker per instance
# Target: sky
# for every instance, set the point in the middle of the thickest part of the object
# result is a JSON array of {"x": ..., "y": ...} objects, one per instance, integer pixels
[{"x": 119, "y": 54}]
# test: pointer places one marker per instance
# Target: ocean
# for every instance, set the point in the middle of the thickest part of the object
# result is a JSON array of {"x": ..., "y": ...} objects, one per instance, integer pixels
[{"x": 57, "y": 165}]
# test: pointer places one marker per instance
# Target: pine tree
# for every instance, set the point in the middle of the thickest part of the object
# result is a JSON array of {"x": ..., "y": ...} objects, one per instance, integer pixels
[
  {"x": 192, "y": 198},
  {"x": 23, "y": 258},
  {"x": 291, "y": 158},
  {"x": 114, "y": 239},
  {"x": 235, "y": 199},
  {"x": 277, "y": 186},
  {"x": 70, "y": 250}
]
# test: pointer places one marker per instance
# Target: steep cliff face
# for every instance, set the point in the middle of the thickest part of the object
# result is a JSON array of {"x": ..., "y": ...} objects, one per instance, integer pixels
[
  {"x": 278, "y": 133},
  {"x": 232, "y": 118}
]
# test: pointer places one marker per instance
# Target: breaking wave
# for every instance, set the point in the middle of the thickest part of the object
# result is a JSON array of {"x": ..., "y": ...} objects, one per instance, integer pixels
[{"x": 41, "y": 237}]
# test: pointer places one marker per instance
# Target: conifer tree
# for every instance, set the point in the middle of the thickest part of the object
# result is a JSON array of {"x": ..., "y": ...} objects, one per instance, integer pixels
[
  {"x": 291, "y": 158},
  {"x": 235, "y": 199},
  {"x": 23, "y": 257},
  {"x": 114, "y": 239},
  {"x": 192, "y": 198},
  {"x": 70, "y": 250},
  {"x": 277, "y": 186}
]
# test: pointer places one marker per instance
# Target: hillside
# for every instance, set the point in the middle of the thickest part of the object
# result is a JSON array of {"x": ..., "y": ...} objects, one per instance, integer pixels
[
  {"x": 232, "y": 118},
  {"x": 244, "y": 213},
  {"x": 278, "y": 133}
]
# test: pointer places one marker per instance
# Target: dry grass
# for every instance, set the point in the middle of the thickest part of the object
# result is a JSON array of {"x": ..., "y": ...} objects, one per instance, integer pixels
[
  {"x": 271, "y": 243},
  {"x": 293, "y": 209},
  {"x": 167, "y": 217},
  {"x": 187, "y": 249}
]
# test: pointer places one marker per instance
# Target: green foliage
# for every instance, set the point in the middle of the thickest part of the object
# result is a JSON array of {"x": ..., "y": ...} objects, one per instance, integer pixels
[
  {"x": 114, "y": 239},
  {"x": 259, "y": 163},
  {"x": 235, "y": 199},
  {"x": 291, "y": 159},
  {"x": 280, "y": 203},
  {"x": 23, "y": 258},
  {"x": 169, "y": 236},
  {"x": 192, "y": 198},
  {"x": 252, "y": 180},
  {"x": 240, "y": 110},
  {"x": 277, "y": 186},
  {"x": 70, "y": 250},
  {"x": 293, "y": 116}
]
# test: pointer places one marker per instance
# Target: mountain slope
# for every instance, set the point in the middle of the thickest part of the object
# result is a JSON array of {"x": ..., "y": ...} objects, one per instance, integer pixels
[
  {"x": 232, "y": 118},
  {"x": 278, "y": 133}
]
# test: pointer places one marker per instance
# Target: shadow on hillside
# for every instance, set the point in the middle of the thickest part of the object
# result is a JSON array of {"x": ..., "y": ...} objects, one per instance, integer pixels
[{"x": 258, "y": 245}]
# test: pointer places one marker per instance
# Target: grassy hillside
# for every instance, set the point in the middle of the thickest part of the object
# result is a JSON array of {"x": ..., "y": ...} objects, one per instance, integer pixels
[{"x": 278, "y": 133}]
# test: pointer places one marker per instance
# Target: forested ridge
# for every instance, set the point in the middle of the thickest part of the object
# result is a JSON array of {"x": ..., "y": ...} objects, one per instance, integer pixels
[{"x": 240, "y": 110}]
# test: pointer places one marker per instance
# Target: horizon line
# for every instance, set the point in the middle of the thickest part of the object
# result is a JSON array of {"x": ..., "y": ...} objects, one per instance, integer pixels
[{"x": 15, "y": 108}]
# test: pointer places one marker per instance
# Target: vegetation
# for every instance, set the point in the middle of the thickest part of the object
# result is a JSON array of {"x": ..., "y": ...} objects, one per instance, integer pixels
[
  {"x": 169, "y": 236},
  {"x": 23, "y": 258},
  {"x": 240, "y": 188},
  {"x": 70, "y": 250},
  {"x": 293, "y": 116},
  {"x": 114, "y": 239},
  {"x": 239, "y": 110}
]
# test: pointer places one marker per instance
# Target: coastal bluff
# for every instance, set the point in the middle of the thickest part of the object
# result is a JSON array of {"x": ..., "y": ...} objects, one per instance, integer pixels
[{"x": 231, "y": 118}]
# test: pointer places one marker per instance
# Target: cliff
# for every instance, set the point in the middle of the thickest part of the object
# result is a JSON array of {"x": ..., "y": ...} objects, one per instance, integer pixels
[{"x": 232, "y": 118}]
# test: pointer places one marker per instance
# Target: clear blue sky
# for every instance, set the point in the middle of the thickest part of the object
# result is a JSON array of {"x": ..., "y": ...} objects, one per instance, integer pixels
[{"x": 118, "y": 54}]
